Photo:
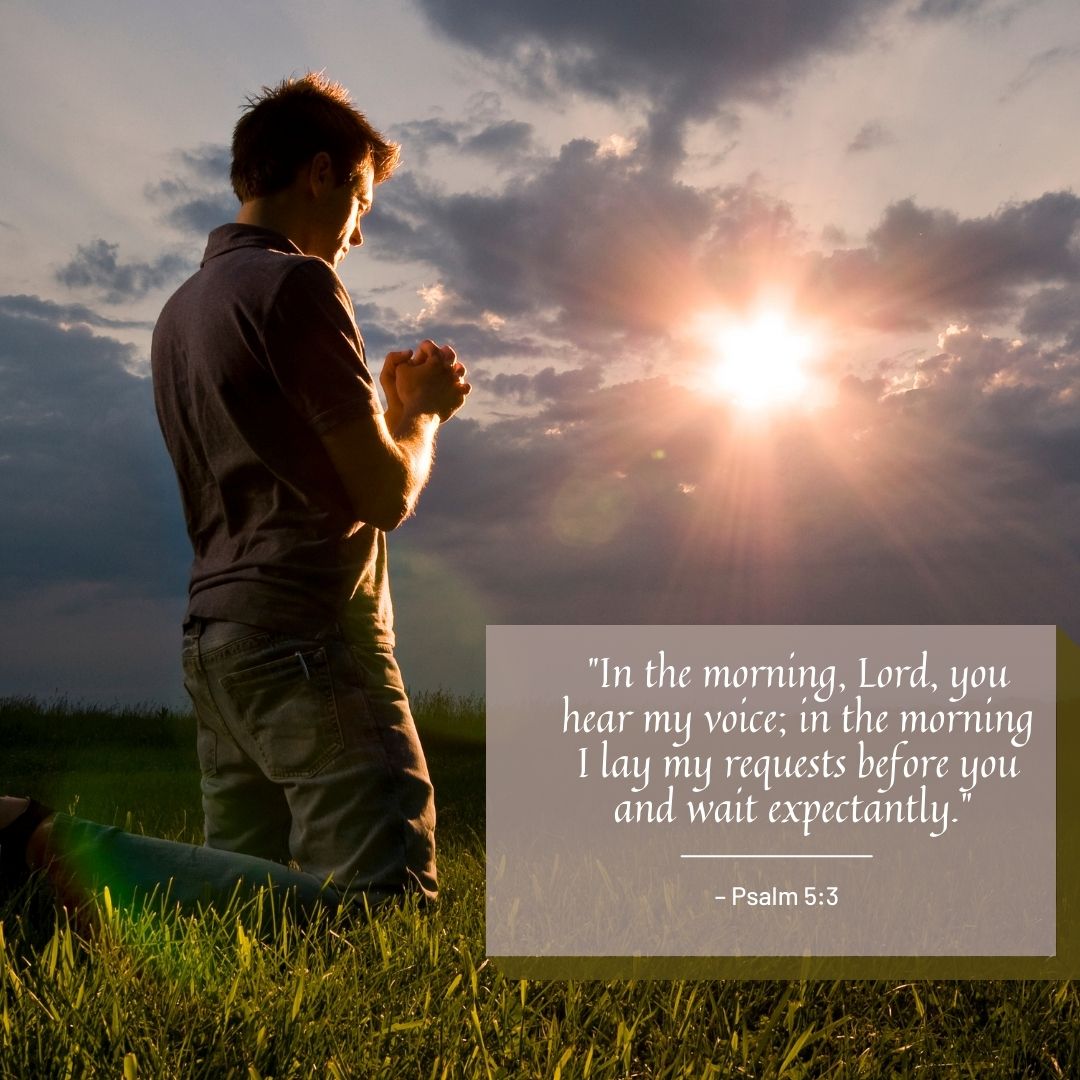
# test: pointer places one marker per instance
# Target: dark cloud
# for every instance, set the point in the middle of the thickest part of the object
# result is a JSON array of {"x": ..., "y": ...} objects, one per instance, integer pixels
[
  {"x": 920, "y": 265},
  {"x": 84, "y": 479},
  {"x": 199, "y": 196},
  {"x": 65, "y": 315},
  {"x": 1051, "y": 311},
  {"x": 419, "y": 138},
  {"x": 501, "y": 139},
  {"x": 594, "y": 238},
  {"x": 87, "y": 642},
  {"x": 505, "y": 139},
  {"x": 547, "y": 384},
  {"x": 201, "y": 214},
  {"x": 871, "y": 136},
  {"x": 685, "y": 59},
  {"x": 96, "y": 266},
  {"x": 210, "y": 162},
  {"x": 1054, "y": 314}
]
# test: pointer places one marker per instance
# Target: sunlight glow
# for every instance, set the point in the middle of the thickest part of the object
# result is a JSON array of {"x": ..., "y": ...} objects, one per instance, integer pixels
[{"x": 763, "y": 361}]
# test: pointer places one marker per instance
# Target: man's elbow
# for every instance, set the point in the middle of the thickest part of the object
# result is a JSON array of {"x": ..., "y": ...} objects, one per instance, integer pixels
[
  {"x": 390, "y": 514},
  {"x": 390, "y": 500},
  {"x": 381, "y": 482}
]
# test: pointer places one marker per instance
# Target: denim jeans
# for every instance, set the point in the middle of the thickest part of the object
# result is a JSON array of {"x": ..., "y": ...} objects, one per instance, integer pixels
[
  {"x": 144, "y": 868},
  {"x": 309, "y": 754}
]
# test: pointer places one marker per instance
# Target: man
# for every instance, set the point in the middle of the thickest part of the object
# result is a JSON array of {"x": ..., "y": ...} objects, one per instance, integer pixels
[{"x": 290, "y": 473}]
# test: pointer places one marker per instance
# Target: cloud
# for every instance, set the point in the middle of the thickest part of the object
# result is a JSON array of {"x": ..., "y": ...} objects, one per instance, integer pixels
[
  {"x": 584, "y": 244},
  {"x": 545, "y": 385},
  {"x": 946, "y": 9},
  {"x": 63, "y": 315},
  {"x": 685, "y": 60},
  {"x": 1052, "y": 314},
  {"x": 871, "y": 136},
  {"x": 199, "y": 197},
  {"x": 504, "y": 139},
  {"x": 484, "y": 134},
  {"x": 420, "y": 137},
  {"x": 920, "y": 264},
  {"x": 210, "y": 162},
  {"x": 940, "y": 492},
  {"x": 941, "y": 10},
  {"x": 1037, "y": 66},
  {"x": 593, "y": 243},
  {"x": 96, "y": 266},
  {"x": 385, "y": 329},
  {"x": 201, "y": 214},
  {"x": 942, "y": 489},
  {"x": 593, "y": 238},
  {"x": 84, "y": 479},
  {"x": 86, "y": 642}
]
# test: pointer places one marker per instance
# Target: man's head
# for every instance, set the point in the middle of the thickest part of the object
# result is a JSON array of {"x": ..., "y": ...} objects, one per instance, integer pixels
[
  {"x": 305, "y": 162},
  {"x": 285, "y": 126}
]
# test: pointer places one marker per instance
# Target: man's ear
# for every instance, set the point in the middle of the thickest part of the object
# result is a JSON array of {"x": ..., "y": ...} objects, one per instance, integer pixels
[{"x": 321, "y": 173}]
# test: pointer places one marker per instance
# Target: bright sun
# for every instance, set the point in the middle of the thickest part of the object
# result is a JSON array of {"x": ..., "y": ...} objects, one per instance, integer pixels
[{"x": 763, "y": 361}]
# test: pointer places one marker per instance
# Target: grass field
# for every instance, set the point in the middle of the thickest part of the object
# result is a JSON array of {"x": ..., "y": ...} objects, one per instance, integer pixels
[{"x": 409, "y": 993}]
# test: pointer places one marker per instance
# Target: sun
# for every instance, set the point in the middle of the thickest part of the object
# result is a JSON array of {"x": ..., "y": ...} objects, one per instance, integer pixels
[{"x": 763, "y": 362}]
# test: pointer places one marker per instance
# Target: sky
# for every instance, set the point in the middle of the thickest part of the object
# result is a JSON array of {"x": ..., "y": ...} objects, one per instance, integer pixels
[{"x": 600, "y": 205}]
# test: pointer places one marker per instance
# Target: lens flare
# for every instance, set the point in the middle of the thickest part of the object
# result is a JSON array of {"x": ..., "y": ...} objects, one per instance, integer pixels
[{"x": 590, "y": 511}]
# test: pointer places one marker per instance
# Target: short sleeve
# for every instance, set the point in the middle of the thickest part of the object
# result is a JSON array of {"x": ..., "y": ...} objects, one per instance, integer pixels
[{"x": 314, "y": 349}]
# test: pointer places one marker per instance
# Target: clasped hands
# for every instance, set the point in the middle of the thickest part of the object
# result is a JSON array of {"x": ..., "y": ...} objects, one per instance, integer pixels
[{"x": 428, "y": 379}]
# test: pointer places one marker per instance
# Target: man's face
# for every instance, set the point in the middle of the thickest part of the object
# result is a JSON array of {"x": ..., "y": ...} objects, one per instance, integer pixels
[{"x": 338, "y": 211}]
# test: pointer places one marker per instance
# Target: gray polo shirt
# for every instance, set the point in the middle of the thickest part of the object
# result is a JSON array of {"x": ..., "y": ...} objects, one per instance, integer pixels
[{"x": 254, "y": 358}]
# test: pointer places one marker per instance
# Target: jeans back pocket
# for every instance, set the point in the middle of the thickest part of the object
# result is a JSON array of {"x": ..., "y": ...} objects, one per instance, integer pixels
[{"x": 287, "y": 706}]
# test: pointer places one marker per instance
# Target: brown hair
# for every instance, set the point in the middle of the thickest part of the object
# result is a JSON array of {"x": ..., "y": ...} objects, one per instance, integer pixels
[{"x": 285, "y": 126}]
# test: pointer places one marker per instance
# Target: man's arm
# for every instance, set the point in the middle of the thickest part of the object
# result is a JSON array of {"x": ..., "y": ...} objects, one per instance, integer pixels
[{"x": 384, "y": 468}]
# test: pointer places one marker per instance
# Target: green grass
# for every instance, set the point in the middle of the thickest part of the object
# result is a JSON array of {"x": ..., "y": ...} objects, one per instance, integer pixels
[{"x": 409, "y": 994}]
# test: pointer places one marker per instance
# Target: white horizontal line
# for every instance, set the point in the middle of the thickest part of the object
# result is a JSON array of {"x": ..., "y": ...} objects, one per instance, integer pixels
[{"x": 776, "y": 856}]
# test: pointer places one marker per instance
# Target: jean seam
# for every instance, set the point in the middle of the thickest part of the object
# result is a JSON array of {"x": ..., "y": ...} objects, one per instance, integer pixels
[
  {"x": 220, "y": 652},
  {"x": 373, "y": 712},
  {"x": 397, "y": 783}
]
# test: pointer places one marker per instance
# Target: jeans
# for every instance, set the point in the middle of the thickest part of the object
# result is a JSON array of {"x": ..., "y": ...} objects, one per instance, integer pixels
[
  {"x": 144, "y": 868},
  {"x": 309, "y": 753}
]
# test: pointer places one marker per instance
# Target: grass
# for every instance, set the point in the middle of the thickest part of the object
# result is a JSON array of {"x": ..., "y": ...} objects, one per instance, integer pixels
[{"x": 409, "y": 993}]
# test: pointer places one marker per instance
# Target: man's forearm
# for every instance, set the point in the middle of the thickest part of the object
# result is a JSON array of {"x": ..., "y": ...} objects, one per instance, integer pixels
[
  {"x": 414, "y": 434},
  {"x": 383, "y": 470}
]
